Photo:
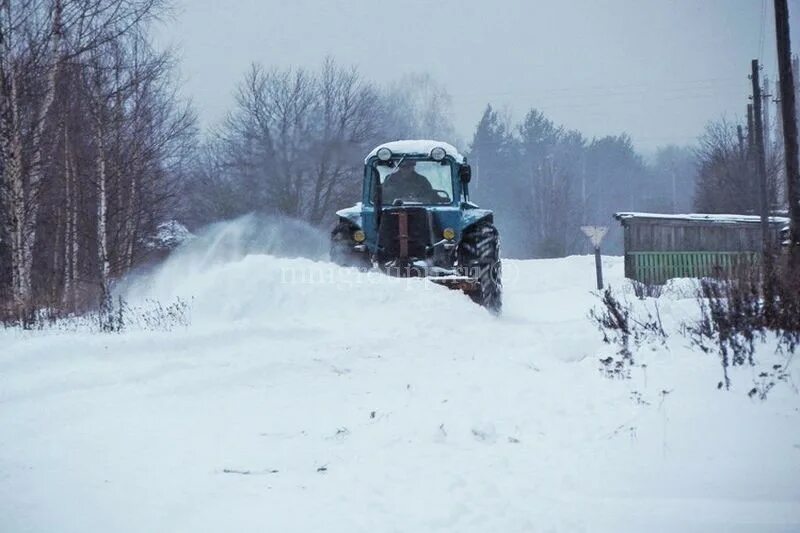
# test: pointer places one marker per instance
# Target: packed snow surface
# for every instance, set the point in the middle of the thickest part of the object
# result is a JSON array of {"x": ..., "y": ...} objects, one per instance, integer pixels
[
  {"x": 417, "y": 147},
  {"x": 306, "y": 397}
]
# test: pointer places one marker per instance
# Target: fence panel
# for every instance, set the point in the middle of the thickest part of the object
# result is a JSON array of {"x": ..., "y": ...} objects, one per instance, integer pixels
[{"x": 658, "y": 267}]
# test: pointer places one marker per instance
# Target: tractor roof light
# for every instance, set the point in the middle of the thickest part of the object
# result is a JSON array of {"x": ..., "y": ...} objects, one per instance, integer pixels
[
  {"x": 438, "y": 153},
  {"x": 384, "y": 154}
]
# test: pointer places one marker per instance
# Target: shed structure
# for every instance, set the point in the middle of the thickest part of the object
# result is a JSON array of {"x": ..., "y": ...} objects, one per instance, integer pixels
[{"x": 659, "y": 247}]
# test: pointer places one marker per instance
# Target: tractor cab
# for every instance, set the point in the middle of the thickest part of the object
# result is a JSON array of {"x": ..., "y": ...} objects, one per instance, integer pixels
[{"x": 415, "y": 219}]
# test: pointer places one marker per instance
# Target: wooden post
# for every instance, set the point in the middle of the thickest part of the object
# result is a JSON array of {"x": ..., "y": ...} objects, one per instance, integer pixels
[
  {"x": 767, "y": 128},
  {"x": 761, "y": 166},
  {"x": 788, "y": 113},
  {"x": 598, "y": 267}
]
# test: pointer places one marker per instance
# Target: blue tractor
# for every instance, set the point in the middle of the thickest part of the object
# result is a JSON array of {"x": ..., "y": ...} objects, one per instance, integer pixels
[{"x": 415, "y": 219}]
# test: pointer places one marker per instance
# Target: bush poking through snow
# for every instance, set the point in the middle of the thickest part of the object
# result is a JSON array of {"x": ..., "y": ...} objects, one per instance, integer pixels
[
  {"x": 113, "y": 318},
  {"x": 767, "y": 380},
  {"x": 729, "y": 323},
  {"x": 614, "y": 323},
  {"x": 152, "y": 316},
  {"x": 736, "y": 313},
  {"x": 646, "y": 290},
  {"x": 155, "y": 316},
  {"x": 29, "y": 317},
  {"x": 617, "y": 322},
  {"x": 785, "y": 316}
]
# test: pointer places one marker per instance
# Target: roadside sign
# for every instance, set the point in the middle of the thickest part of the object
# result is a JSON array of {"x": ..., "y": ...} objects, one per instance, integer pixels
[{"x": 595, "y": 234}]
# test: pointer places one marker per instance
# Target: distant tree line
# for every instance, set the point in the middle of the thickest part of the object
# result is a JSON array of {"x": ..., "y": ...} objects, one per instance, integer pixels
[
  {"x": 545, "y": 181},
  {"x": 294, "y": 144},
  {"x": 295, "y": 141}
]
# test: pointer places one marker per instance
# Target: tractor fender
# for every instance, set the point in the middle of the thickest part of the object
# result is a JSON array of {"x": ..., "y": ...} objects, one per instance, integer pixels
[
  {"x": 471, "y": 217},
  {"x": 352, "y": 215}
]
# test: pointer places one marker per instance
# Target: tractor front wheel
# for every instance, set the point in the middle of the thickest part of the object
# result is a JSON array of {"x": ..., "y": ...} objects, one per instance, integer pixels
[{"x": 479, "y": 258}]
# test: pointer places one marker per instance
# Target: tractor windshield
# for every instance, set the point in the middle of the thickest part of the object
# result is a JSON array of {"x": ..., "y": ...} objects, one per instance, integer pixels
[{"x": 412, "y": 181}]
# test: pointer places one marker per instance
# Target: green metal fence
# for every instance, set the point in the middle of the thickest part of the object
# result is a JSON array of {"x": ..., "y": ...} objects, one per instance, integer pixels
[{"x": 658, "y": 267}]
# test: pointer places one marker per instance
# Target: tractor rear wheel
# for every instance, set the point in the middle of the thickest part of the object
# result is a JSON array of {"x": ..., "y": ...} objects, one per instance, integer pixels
[
  {"x": 479, "y": 258},
  {"x": 342, "y": 252}
]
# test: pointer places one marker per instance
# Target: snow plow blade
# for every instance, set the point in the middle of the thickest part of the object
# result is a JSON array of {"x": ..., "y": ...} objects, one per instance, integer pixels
[{"x": 463, "y": 283}]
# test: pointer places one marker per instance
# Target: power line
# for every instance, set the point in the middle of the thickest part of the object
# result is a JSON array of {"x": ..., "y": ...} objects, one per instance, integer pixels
[
  {"x": 578, "y": 100},
  {"x": 615, "y": 90}
]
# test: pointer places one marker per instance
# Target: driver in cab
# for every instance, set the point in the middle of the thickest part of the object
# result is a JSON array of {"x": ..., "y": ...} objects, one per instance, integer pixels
[{"x": 407, "y": 184}]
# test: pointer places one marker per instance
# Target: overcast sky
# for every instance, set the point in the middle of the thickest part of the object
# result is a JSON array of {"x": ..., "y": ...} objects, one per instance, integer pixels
[{"x": 657, "y": 69}]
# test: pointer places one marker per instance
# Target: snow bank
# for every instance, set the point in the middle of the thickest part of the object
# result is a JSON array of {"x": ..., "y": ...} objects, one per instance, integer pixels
[{"x": 307, "y": 397}]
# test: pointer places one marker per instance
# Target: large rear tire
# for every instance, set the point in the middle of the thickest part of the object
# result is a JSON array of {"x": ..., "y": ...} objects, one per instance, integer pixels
[
  {"x": 479, "y": 258},
  {"x": 342, "y": 252}
]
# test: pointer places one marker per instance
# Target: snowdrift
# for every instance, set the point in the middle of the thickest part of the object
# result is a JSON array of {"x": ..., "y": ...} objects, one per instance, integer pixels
[{"x": 305, "y": 397}]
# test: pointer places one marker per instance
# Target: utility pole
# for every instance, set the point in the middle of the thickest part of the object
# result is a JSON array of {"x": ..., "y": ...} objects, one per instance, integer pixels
[
  {"x": 740, "y": 137},
  {"x": 765, "y": 98},
  {"x": 789, "y": 130},
  {"x": 761, "y": 167},
  {"x": 750, "y": 133},
  {"x": 795, "y": 75},
  {"x": 778, "y": 121},
  {"x": 780, "y": 181}
]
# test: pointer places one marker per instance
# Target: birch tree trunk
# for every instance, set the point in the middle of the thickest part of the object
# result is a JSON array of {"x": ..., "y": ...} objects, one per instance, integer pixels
[
  {"x": 70, "y": 225},
  {"x": 15, "y": 197},
  {"x": 130, "y": 224},
  {"x": 102, "y": 214},
  {"x": 21, "y": 190}
]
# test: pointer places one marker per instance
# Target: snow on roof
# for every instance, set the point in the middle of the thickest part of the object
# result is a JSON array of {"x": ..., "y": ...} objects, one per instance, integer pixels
[
  {"x": 417, "y": 147},
  {"x": 698, "y": 217}
]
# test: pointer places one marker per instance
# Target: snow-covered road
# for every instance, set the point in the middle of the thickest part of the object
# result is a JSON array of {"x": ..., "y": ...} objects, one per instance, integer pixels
[{"x": 305, "y": 397}]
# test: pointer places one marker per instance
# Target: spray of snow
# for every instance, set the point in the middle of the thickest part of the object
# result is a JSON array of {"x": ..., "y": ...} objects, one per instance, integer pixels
[
  {"x": 253, "y": 270},
  {"x": 221, "y": 264}
]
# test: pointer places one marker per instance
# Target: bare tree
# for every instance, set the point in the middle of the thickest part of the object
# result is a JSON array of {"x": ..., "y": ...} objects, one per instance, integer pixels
[
  {"x": 726, "y": 177},
  {"x": 31, "y": 34},
  {"x": 420, "y": 107},
  {"x": 292, "y": 146},
  {"x": 346, "y": 113},
  {"x": 79, "y": 203}
]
